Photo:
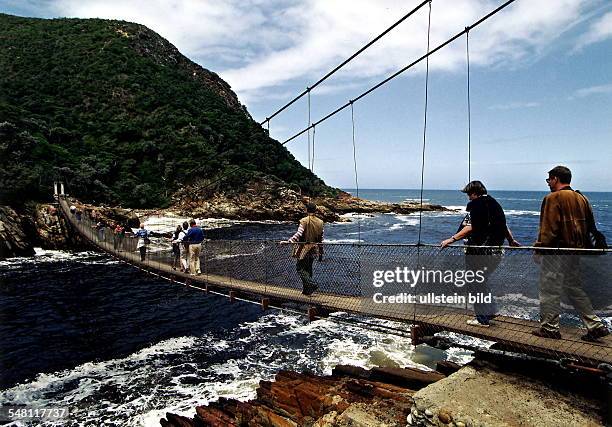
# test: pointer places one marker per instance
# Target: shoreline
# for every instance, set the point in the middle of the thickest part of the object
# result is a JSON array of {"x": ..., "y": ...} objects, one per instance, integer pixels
[
  {"x": 41, "y": 225},
  {"x": 476, "y": 394}
]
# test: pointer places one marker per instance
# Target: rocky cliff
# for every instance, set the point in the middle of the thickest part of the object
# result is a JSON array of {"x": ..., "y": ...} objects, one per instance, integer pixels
[{"x": 34, "y": 225}]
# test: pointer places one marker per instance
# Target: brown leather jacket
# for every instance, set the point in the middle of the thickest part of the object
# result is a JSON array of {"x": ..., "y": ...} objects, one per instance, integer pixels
[
  {"x": 313, "y": 234},
  {"x": 564, "y": 220}
]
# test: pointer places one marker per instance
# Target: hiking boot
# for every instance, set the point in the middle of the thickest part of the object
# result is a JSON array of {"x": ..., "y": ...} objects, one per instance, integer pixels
[
  {"x": 475, "y": 322},
  {"x": 595, "y": 334},
  {"x": 545, "y": 333},
  {"x": 310, "y": 289}
]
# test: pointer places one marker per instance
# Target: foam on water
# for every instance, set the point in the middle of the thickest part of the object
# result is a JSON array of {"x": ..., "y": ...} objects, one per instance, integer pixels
[
  {"x": 342, "y": 240},
  {"x": 168, "y": 223},
  {"x": 55, "y": 256},
  {"x": 172, "y": 375}
]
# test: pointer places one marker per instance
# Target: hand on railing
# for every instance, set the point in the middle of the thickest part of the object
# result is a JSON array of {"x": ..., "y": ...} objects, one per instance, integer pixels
[{"x": 445, "y": 243}]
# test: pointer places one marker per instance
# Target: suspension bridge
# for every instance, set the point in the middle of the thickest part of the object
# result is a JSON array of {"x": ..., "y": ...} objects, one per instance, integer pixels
[{"x": 263, "y": 272}]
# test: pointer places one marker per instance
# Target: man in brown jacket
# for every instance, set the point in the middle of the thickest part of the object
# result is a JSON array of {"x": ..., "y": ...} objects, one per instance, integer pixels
[
  {"x": 309, "y": 235},
  {"x": 564, "y": 223}
]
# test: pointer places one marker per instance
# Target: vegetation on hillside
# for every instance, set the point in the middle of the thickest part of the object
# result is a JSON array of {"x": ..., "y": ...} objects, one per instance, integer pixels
[{"x": 119, "y": 114}]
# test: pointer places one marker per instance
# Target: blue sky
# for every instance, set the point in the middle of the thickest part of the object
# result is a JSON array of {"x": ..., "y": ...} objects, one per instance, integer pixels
[{"x": 541, "y": 81}]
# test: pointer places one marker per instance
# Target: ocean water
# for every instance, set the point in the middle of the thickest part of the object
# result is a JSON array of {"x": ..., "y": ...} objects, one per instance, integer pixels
[{"x": 122, "y": 348}]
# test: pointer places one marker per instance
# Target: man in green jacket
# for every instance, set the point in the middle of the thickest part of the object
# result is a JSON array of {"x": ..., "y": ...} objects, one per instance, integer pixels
[{"x": 564, "y": 223}]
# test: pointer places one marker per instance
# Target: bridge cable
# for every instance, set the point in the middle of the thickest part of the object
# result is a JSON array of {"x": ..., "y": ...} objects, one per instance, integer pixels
[
  {"x": 414, "y": 324},
  {"x": 355, "y": 166},
  {"x": 378, "y": 85},
  {"x": 401, "y": 71},
  {"x": 469, "y": 108},
  {"x": 424, "y": 128},
  {"x": 357, "y": 191},
  {"x": 314, "y": 131},
  {"x": 346, "y": 61},
  {"x": 309, "y": 123}
]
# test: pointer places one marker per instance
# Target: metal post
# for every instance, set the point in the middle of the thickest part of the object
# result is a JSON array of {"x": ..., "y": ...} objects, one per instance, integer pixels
[{"x": 415, "y": 334}]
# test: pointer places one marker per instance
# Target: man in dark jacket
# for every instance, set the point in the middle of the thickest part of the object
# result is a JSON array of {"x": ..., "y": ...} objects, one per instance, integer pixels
[
  {"x": 564, "y": 223},
  {"x": 195, "y": 237},
  {"x": 484, "y": 225}
]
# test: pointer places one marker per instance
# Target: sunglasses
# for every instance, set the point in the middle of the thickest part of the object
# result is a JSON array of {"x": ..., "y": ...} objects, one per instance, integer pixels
[{"x": 550, "y": 179}]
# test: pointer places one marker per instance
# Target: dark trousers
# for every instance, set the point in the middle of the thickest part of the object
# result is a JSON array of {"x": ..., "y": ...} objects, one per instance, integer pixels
[
  {"x": 487, "y": 263},
  {"x": 143, "y": 252},
  {"x": 304, "y": 269}
]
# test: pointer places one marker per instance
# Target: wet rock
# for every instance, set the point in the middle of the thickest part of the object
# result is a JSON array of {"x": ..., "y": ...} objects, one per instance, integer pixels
[
  {"x": 13, "y": 238},
  {"x": 296, "y": 399}
]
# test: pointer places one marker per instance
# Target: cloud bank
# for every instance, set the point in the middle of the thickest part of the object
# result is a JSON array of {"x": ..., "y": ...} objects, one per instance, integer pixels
[{"x": 257, "y": 45}]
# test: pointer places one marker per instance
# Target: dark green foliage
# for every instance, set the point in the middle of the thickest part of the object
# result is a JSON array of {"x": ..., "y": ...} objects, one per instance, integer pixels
[{"x": 116, "y": 112}]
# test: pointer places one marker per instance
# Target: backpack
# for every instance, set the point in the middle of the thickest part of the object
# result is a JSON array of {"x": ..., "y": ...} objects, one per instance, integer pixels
[{"x": 595, "y": 238}]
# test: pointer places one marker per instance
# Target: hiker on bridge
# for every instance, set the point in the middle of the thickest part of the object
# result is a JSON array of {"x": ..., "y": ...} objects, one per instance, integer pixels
[
  {"x": 309, "y": 236},
  {"x": 182, "y": 245},
  {"x": 194, "y": 237},
  {"x": 565, "y": 218},
  {"x": 119, "y": 235},
  {"x": 143, "y": 240},
  {"x": 484, "y": 225}
]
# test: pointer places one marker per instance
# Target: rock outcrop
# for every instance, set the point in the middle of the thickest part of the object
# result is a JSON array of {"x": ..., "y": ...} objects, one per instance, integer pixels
[
  {"x": 477, "y": 395},
  {"x": 13, "y": 238},
  {"x": 351, "y": 396},
  {"x": 267, "y": 199},
  {"x": 34, "y": 225}
]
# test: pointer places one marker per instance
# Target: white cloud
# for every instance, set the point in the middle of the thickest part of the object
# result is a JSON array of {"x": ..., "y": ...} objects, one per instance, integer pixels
[
  {"x": 258, "y": 45},
  {"x": 593, "y": 90},
  {"x": 514, "y": 105},
  {"x": 599, "y": 31},
  {"x": 330, "y": 31}
]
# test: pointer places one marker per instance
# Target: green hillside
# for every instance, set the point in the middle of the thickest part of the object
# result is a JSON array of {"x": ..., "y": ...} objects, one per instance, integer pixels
[{"x": 119, "y": 114}]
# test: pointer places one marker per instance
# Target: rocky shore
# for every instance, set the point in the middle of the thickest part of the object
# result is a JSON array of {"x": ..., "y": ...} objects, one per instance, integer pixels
[
  {"x": 34, "y": 225},
  {"x": 40, "y": 225},
  {"x": 480, "y": 394},
  {"x": 269, "y": 200}
]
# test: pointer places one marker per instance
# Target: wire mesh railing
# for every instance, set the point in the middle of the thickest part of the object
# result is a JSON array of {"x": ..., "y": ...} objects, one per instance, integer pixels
[{"x": 437, "y": 289}]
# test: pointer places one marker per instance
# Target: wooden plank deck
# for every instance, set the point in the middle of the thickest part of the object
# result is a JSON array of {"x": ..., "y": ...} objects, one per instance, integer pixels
[{"x": 513, "y": 333}]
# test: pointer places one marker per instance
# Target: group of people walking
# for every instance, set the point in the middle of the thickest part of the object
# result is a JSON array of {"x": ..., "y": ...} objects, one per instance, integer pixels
[
  {"x": 566, "y": 221},
  {"x": 186, "y": 247}
]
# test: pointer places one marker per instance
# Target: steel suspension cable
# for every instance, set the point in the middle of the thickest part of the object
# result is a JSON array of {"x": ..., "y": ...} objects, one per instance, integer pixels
[
  {"x": 314, "y": 131},
  {"x": 403, "y": 70},
  {"x": 355, "y": 166},
  {"x": 346, "y": 61},
  {"x": 309, "y": 123},
  {"x": 424, "y": 127},
  {"x": 378, "y": 85},
  {"x": 469, "y": 108}
]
